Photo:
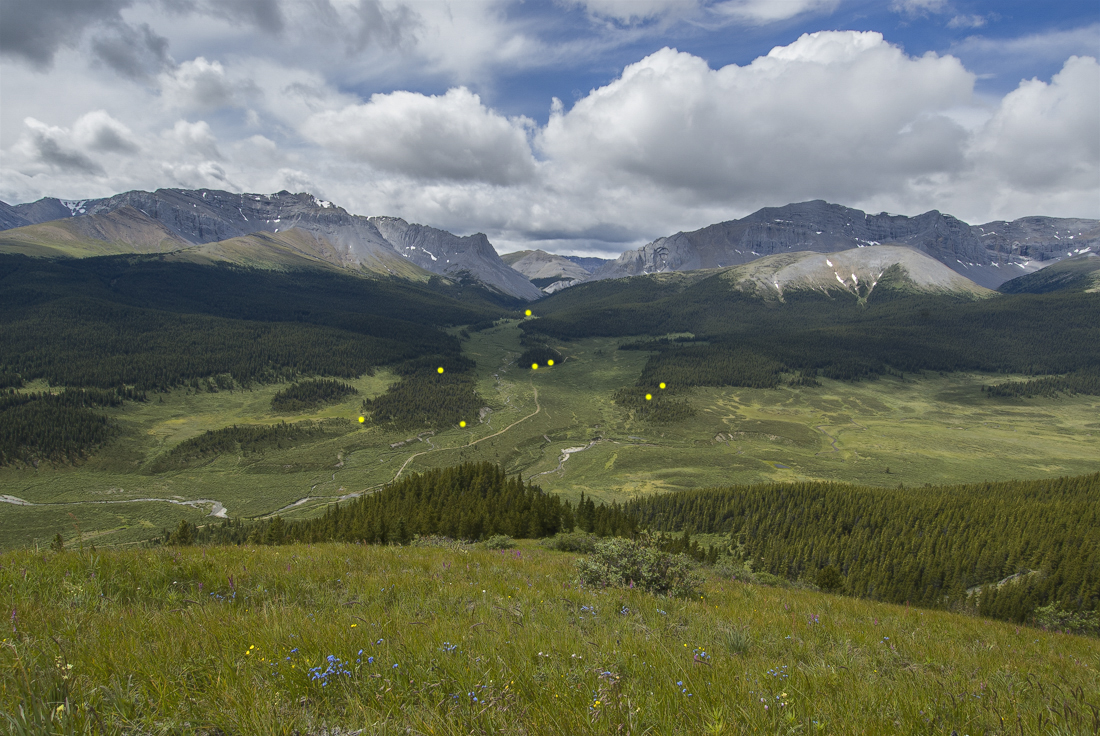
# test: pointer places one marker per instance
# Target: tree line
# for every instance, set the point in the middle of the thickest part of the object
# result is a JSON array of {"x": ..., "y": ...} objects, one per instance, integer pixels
[
  {"x": 246, "y": 439},
  {"x": 471, "y": 501},
  {"x": 1085, "y": 381},
  {"x": 1005, "y": 548},
  {"x": 751, "y": 339},
  {"x": 59, "y": 427},
  {"x": 311, "y": 394}
]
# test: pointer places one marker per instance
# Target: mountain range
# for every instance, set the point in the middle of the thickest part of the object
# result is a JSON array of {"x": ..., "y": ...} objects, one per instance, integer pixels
[
  {"x": 189, "y": 222},
  {"x": 285, "y": 230},
  {"x": 988, "y": 254}
]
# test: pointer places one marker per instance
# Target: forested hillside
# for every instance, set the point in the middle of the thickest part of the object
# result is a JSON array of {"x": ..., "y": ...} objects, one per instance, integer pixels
[
  {"x": 1019, "y": 545},
  {"x": 143, "y": 322},
  {"x": 749, "y": 341}
]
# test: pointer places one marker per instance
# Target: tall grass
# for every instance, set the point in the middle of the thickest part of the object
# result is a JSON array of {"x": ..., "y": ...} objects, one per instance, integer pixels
[{"x": 306, "y": 639}]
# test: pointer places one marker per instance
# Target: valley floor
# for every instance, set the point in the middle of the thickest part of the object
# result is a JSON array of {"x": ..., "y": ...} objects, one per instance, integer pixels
[{"x": 559, "y": 427}]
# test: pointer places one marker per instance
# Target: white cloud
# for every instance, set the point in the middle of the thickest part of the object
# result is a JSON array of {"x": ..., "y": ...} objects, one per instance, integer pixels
[
  {"x": 1044, "y": 140},
  {"x": 50, "y": 148},
  {"x": 199, "y": 84},
  {"x": 98, "y": 131},
  {"x": 967, "y": 21},
  {"x": 193, "y": 140},
  {"x": 768, "y": 11},
  {"x": 741, "y": 132},
  {"x": 627, "y": 11},
  {"x": 914, "y": 8},
  {"x": 450, "y": 137}
]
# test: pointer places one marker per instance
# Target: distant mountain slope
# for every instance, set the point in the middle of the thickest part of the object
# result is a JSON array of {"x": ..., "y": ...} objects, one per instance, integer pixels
[
  {"x": 538, "y": 264},
  {"x": 588, "y": 263},
  {"x": 10, "y": 217},
  {"x": 1080, "y": 271},
  {"x": 446, "y": 253},
  {"x": 821, "y": 227},
  {"x": 204, "y": 216},
  {"x": 296, "y": 248},
  {"x": 857, "y": 270}
]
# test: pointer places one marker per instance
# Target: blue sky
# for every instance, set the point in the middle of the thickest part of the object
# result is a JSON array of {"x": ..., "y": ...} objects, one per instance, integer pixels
[{"x": 578, "y": 126}]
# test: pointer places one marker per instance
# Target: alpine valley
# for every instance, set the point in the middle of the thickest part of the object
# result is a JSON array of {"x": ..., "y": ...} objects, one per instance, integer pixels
[{"x": 867, "y": 445}]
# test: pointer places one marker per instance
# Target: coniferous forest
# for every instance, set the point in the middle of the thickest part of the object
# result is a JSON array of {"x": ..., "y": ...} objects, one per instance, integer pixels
[
  {"x": 745, "y": 340},
  {"x": 1013, "y": 546},
  {"x": 61, "y": 427},
  {"x": 470, "y": 501},
  {"x": 145, "y": 322},
  {"x": 311, "y": 394}
]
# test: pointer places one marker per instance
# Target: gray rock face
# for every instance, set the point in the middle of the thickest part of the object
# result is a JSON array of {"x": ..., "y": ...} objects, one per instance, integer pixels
[
  {"x": 50, "y": 208},
  {"x": 538, "y": 264},
  {"x": 10, "y": 217},
  {"x": 588, "y": 263},
  {"x": 1040, "y": 238},
  {"x": 448, "y": 254},
  {"x": 208, "y": 216},
  {"x": 821, "y": 227}
]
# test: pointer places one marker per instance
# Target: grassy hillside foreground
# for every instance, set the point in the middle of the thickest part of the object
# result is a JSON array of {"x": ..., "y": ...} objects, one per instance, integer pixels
[{"x": 307, "y": 639}]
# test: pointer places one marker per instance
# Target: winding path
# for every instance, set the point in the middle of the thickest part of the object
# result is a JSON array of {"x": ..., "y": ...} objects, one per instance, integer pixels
[{"x": 538, "y": 408}]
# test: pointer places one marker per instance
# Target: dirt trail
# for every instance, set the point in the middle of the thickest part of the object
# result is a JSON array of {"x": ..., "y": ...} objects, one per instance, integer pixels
[{"x": 538, "y": 408}]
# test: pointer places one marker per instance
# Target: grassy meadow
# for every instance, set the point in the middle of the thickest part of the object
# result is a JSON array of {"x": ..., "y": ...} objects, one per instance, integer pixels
[
  {"x": 311, "y": 639},
  {"x": 922, "y": 429}
]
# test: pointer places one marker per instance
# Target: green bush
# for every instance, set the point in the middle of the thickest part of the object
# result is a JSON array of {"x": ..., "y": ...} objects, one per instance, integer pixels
[
  {"x": 499, "y": 541},
  {"x": 635, "y": 563},
  {"x": 1053, "y": 618},
  {"x": 577, "y": 541}
]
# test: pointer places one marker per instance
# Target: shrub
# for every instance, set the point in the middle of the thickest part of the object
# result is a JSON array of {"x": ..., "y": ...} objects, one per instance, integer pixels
[
  {"x": 829, "y": 579},
  {"x": 636, "y": 563},
  {"x": 434, "y": 540},
  {"x": 1053, "y": 618},
  {"x": 499, "y": 541},
  {"x": 577, "y": 541}
]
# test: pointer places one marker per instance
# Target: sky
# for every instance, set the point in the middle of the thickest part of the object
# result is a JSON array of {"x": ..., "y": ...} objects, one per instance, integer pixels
[{"x": 576, "y": 126}]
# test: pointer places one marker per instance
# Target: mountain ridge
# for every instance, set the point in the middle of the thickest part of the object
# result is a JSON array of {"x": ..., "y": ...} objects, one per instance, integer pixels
[
  {"x": 204, "y": 216},
  {"x": 821, "y": 227}
]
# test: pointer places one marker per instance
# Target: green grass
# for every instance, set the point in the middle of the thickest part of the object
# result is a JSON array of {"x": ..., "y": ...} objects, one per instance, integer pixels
[
  {"x": 222, "y": 640},
  {"x": 927, "y": 429}
]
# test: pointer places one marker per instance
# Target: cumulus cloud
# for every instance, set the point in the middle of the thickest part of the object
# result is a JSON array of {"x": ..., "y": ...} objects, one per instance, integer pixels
[
  {"x": 451, "y": 137},
  {"x": 741, "y": 132},
  {"x": 100, "y": 132},
  {"x": 193, "y": 139},
  {"x": 199, "y": 84},
  {"x": 50, "y": 145},
  {"x": 1044, "y": 136}
]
